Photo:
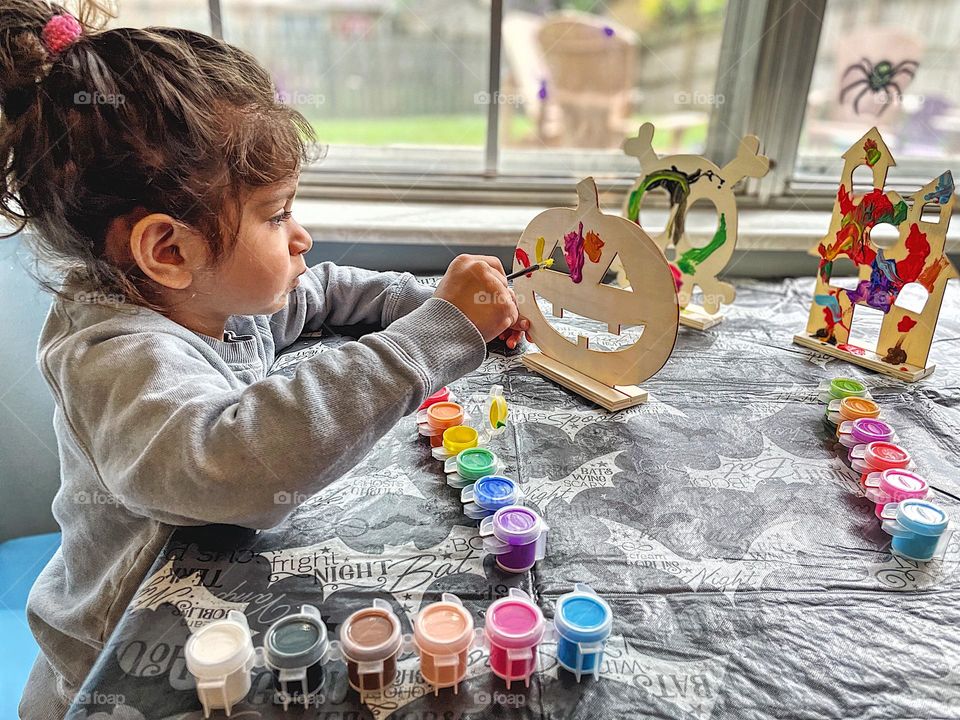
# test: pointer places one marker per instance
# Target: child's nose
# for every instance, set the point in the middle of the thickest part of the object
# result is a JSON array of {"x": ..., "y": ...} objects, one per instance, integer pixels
[{"x": 301, "y": 242}]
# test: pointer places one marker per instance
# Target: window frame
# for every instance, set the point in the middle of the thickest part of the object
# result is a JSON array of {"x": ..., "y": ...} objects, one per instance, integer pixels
[{"x": 764, "y": 74}]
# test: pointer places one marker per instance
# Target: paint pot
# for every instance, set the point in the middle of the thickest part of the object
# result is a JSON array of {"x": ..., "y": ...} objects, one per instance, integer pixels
[
  {"x": 220, "y": 656},
  {"x": 893, "y": 486},
  {"x": 839, "y": 388},
  {"x": 295, "y": 650},
  {"x": 469, "y": 466},
  {"x": 443, "y": 635},
  {"x": 489, "y": 494},
  {"x": 370, "y": 642},
  {"x": 437, "y": 418},
  {"x": 517, "y": 535},
  {"x": 863, "y": 432},
  {"x": 441, "y": 395},
  {"x": 496, "y": 410},
  {"x": 916, "y": 527},
  {"x": 513, "y": 631},
  {"x": 455, "y": 440},
  {"x": 878, "y": 456},
  {"x": 583, "y": 621},
  {"x": 851, "y": 408}
]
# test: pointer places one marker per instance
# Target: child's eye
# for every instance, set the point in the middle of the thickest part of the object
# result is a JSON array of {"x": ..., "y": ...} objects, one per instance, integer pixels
[{"x": 281, "y": 218}]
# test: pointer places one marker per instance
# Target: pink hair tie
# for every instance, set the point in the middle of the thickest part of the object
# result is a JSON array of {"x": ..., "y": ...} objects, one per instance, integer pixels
[{"x": 60, "y": 32}]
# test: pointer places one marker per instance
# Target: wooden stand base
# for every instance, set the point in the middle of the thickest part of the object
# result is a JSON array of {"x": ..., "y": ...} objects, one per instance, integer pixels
[
  {"x": 696, "y": 317},
  {"x": 612, "y": 398},
  {"x": 869, "y": 359}
]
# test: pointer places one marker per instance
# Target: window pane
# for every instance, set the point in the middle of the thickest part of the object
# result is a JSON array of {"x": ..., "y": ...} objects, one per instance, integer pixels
[
  {"x": 579, "y": 77},
  {"x": 889, "y": 63},
  {"x": 388, "y": 85},
  {"x": 189, "y": 14}
]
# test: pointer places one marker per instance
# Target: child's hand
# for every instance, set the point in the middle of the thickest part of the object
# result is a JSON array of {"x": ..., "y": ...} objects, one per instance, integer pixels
[
  {"x": 514, "y": 334},
  {"x": 477, "y": 285}
]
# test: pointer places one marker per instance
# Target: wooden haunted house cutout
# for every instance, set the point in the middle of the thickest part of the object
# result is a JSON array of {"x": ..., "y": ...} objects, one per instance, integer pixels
[{"x": 904, "y": 282}]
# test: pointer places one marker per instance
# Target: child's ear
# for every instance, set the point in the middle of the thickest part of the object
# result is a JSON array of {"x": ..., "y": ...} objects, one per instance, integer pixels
[{"x": 167, "y": 251}]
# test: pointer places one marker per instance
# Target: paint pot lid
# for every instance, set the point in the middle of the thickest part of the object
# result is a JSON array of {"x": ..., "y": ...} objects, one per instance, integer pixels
[
  {"x": 922, "y": 517},
  {"x": 902, "y": 484},
  {"x": 459, "y": 437},
  {"x": 444, "y": 415},
  {"x": 493, "y": 492},
  {"x": 476, "y": 462},
  {"x": 854, "y": 407},
  {"x": 514, "y": 621},
  {"x": 886, "y": 455},
  {"x": 583, "y": 616},
  {"x": 444, "y": 627},
  {"x": 441, "y": 395},
  {"x": 219, "y": 648},
  {"x": 371, "y": 634},
  {"x": 868, "y": 430},
  {"x": 296, "y": 641},
  {"x": 517, "y": 525},
  {"x": 846, "y": 387}
]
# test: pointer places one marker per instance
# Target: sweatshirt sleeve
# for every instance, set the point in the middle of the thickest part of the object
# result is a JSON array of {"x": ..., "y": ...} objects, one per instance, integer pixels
[
  {"x": 335, "y": 296},
  {"x": 174, "y": 440}
]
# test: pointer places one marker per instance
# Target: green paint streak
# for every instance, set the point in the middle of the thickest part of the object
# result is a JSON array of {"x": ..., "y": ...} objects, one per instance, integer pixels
[
  {"x": 664, "y": 177},
  {"x": 694, "y": 256}
]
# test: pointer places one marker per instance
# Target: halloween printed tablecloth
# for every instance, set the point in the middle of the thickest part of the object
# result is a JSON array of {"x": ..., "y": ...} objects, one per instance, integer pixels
[{"x": 747, "y": 575}]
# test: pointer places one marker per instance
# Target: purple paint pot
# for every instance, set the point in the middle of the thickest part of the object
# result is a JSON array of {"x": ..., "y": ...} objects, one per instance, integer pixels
[{"x": 517, "y": 535}]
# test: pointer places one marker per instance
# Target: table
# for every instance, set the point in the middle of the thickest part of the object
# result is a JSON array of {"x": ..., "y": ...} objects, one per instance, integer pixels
[{"x": 747, "y": 576}]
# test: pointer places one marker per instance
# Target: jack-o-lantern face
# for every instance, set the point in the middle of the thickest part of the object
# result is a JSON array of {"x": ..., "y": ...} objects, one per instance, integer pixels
[
  {"x": 590, "y": 240},
  {"x": 688, "y": 179}
]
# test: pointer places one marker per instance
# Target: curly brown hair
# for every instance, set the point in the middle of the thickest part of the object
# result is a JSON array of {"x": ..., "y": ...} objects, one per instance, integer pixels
[{"x": 123, "y": 120}]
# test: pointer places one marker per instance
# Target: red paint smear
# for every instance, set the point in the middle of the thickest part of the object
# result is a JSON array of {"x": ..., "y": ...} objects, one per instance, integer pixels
[
  {"x": 846, "y": 202},
  {"x": 903, "y": 367},
  {"x": 852, "y": 349},
  {"x": 677, "y": 276},
  {"x": 918, "y": 249},
  {"x": 523, "y": 259},
  {"x": 906, "y": 324}
]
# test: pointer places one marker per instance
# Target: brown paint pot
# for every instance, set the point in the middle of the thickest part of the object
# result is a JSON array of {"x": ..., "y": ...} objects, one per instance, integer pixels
[{"x": 370, "y": 642}]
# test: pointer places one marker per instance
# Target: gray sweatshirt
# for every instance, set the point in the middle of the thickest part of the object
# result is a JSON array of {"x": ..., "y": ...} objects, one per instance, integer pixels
[{"x": 158, "y": 426}]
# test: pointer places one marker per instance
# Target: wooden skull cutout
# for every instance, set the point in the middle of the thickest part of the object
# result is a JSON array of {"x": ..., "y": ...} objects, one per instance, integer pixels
[
  {"x": 687, "y": 179},
  {"x": 591, "y": 240}
]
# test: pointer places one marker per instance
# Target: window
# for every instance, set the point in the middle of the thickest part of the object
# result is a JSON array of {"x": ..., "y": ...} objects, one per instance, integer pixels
[{"x": 512, "y": 101}]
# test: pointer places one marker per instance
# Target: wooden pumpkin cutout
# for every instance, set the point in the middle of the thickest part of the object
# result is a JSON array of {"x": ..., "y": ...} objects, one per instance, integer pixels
[
  {"x": 917, "y": 260},
  {"x": 689, "y": 178},
  {"x": 591, "y": 240}
]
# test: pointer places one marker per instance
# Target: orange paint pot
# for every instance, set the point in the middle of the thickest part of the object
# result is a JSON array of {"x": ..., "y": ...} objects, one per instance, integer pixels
[
  {"x": 370, "y": 642},
  {"x": 440, "y": 416},
  {"x": 443, "y": 635}
]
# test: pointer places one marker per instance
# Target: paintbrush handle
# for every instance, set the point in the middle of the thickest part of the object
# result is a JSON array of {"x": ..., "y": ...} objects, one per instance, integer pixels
[{"x": 518, "y": 273}]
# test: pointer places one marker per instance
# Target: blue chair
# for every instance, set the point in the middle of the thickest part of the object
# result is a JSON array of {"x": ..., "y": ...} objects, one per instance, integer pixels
[{"x": 21, "y": 560}]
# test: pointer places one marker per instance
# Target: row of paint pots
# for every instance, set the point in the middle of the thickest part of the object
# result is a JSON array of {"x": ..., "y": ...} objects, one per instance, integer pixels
[
  {"x": 449, "y": 426},
  {"x": 886, "y": 470},
  {"x": 296, "y": 648}
]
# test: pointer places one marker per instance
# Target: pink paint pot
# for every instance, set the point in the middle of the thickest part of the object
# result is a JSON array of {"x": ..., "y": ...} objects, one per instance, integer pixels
[
  {"x": 443, "y": 635},
  {"x": 370, "y": 642},
  {"x": 514, "y": 629},
  {"x": 878, "y": 456},
  {"x": 516, "y": 535},
  {"x": 893, "y": 486}
]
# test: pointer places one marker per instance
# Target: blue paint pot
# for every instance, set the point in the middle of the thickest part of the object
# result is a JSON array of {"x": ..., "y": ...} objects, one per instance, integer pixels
[
  {"x": 583, "y": 621},
  {"x": 916, "y": 527},
  {"x": 489, "y": 494}
]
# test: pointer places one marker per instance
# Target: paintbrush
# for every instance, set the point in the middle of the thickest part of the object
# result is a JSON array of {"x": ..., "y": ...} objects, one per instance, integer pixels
[{"x": 539, "y": 266}]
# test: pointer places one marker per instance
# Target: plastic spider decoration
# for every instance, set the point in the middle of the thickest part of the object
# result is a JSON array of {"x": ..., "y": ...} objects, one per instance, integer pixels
[{"x": 877, "y": 78}]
